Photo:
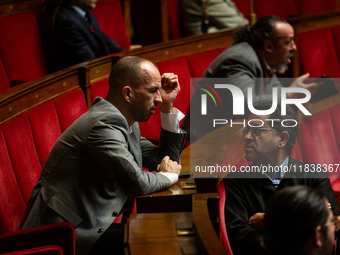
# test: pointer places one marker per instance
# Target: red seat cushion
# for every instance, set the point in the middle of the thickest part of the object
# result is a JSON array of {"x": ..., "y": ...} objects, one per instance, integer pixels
[
  {"x": 317, "y": 53},
  {"x": 110, "y": 19},
  {"x": 23, "y": 59},
  {"x": 316, "y": 6}
]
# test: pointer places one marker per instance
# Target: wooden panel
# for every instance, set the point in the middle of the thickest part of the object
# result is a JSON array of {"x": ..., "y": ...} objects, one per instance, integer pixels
[
  {"x": 310, "y": 22},
  {"x": 185, "y": 47},
  {"x": 204, "y": 212},
  {"x": 155, "y": 233},
  {"x": 27, "y": 96}
]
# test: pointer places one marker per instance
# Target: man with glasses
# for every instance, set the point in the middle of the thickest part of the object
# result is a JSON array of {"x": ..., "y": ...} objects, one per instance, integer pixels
[{"x": 269, "y": 145}]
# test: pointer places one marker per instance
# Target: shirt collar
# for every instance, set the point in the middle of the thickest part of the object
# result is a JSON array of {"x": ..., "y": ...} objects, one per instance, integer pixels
[
  {"x": 267, "y": 71},
  {"x": 278, "y": 176},
  {"x": 80, "y": 11}
]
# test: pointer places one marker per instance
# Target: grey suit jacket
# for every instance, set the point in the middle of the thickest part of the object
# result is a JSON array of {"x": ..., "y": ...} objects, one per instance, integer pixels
[
  {"x": 241, "y": 66},
  {"x": 93, "y": 168}
]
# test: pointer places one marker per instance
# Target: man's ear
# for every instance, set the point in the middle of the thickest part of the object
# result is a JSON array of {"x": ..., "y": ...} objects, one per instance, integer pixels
[
  {"x": 128, "y": 93},
  {"x": 268, "y": 46},
  {"x": 317, "y": 237},
  {"x": 283, "y": 136}
]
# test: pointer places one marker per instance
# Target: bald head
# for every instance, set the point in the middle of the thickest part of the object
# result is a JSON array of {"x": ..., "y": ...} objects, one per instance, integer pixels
[{"x": 127, "y": 72}]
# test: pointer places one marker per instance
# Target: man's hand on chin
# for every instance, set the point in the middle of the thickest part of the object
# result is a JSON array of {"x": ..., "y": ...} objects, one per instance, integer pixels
[
  {"x": 256, "y": 221},
  {"x": 169, "y": 91}
]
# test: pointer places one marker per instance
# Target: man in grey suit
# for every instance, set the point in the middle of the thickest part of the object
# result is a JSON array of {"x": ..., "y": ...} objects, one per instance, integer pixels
[
  {"x": 252, "y": 61},
  {"x": 94, "y": 170}
]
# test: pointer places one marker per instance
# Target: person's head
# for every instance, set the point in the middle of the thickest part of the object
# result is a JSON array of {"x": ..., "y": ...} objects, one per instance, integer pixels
[
  {"x": 273, "y": 38},
  {"x": 84, "y": 4},
  {"x": 135, "y": 82},
  {"x": 271, "y": 135},
  {"x": 299, "y": 221}
]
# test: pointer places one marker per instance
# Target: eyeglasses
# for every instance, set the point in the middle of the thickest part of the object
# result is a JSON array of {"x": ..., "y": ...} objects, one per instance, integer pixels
[
  {"x": 255, "y": 131},
  {"x": 334, "y": 222}
]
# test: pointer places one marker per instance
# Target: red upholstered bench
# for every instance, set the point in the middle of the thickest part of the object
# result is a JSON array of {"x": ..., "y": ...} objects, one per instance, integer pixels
[{"x": 4, "y": 82}]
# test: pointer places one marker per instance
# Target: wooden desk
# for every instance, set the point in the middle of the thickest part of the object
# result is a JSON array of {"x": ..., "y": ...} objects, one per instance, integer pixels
[
  {"x": 175, "y": 199},
  {"x": 155, "y": 233}
]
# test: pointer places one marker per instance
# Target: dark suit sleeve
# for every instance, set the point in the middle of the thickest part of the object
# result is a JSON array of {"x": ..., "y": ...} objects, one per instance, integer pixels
[
  {"x": 170, "y": 144},
  {"x": 240, "y": 233}
]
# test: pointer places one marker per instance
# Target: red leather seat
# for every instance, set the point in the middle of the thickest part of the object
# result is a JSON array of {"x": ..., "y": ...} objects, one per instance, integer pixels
[
  {"x": 20, "y": 48},
  {"x": 318, "y": 54}
]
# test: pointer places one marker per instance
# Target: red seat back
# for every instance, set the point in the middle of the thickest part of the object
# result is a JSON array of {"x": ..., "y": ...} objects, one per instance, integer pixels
[
  {"x": 316, "y": 6},
  {"x": 318, "y": 54},
  {"x": 173, "y": 19},
  {"x": 199, "y": 62},
  {"x": 110, "y": 19},
  {"x": 223, "y": 232},
  {"x": 11, "y": 213},
  {"x": 20, "y": 48},
  {"x": 99, "y": 89},
  {"x": 243, "y": 6},
  {"x": 275, "y": 7},
  {"x": 4, "y": 82}
]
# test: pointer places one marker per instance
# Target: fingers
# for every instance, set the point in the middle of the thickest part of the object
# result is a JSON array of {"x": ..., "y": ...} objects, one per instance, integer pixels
[
  {"x": 170, "y": 79},
  {"x": 169, "y": 166}
]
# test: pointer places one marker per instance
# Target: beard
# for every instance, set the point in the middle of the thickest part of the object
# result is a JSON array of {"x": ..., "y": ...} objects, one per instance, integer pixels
[
  {"x": 140, "y": 112},
  {"x": 283, "y": 66}
]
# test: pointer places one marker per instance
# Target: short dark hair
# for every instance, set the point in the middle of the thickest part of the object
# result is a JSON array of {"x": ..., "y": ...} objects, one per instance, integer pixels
[
  {"x": 290, "y": 114},
  {"x": 291, "y": 217},
  {"x": 264, "y": 29},
  {"x": 126, "y": 71}
]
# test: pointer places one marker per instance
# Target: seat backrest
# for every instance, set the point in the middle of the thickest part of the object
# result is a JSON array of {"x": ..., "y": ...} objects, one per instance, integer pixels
[
  {"x": 243, "y": 6},
  {"x": 275, "y": 7},
  {"x": 336, "y": 37},
  {"x": 20, "y": 48},
  {"x": 4, "y": 82},
  {"x": 316, "y": 6},
  {"x": 173, "y": 19},
  {"x": 110, "y": 19},
  {"x": 198, "y": 63},
  {"x": 318, "y": 54},
  {"x": 99, "y": 89},
  {"x": 223, "y": 230}
]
